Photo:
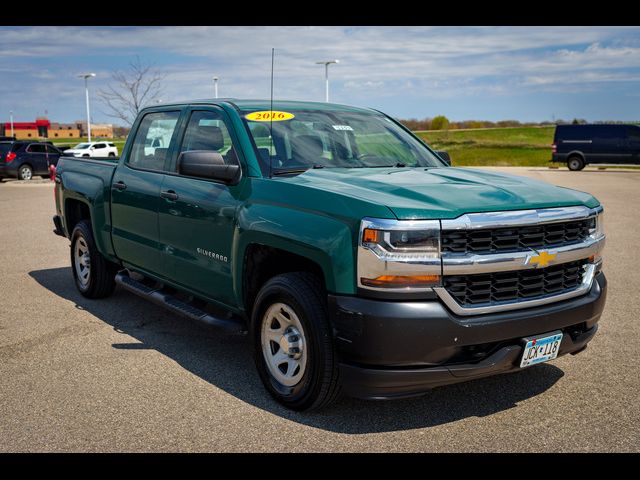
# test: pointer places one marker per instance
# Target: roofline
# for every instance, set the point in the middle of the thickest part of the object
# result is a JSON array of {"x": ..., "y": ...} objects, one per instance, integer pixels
[{"x": 231, "y": 101}]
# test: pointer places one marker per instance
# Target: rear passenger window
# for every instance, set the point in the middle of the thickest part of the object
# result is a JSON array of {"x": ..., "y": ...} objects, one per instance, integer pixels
[
  {"x": 152, "y": 140},
  {"x": 206, "y": 131},
  {"x": 36, "y": 149}
]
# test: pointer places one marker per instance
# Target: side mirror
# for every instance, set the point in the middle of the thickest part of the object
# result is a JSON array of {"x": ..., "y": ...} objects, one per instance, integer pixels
[
  {"x": 207, "y": 164},
  {"x": 444, "y": 156}
]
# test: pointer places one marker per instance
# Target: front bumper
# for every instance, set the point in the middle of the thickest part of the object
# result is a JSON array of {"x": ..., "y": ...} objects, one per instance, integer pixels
[{"x": 399, "y": 349}]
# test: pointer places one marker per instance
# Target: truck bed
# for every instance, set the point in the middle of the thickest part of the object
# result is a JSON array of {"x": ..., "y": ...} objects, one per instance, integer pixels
[{"x": 88, "y": 181}]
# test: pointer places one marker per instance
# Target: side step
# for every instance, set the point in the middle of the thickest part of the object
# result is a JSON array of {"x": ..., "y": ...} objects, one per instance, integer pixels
[{"x": 164, "y": 299}]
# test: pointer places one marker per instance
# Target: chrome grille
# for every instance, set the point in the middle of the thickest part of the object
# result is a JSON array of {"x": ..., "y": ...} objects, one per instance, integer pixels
[
  {"x": 514, "y": 286},
  {"x": 496, "y": 240}
]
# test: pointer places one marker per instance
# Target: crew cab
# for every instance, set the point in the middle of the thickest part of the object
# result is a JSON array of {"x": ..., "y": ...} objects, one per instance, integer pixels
[
  {"x": 353, "y": 255},
  {"x": 93, "y": 149}
]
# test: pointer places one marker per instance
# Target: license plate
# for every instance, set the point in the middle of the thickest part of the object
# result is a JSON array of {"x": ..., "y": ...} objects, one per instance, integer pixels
[{"x": 540, "y": 349}]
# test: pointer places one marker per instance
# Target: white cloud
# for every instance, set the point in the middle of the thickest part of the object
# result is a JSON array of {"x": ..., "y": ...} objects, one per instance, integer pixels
[{"x": 424, "y": 62}]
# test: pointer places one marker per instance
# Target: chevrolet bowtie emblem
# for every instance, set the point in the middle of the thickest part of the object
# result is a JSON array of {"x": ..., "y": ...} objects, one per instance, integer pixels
[{"x": 543, "y": 259}]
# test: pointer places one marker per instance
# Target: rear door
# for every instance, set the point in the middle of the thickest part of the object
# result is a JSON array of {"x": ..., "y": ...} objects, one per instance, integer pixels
[
  {"x": 99, "y": 150},
  {"x": 36, "y": 157},
  {"x": 135, "y": 191},
  {"x": 197, "y": 224},
  {"x": 574, "y": 138}
]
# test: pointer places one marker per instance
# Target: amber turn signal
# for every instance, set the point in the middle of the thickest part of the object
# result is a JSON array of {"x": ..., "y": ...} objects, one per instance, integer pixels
[
  {"x": 401, "y": 281},
  {"x": 370, "y": 235}
]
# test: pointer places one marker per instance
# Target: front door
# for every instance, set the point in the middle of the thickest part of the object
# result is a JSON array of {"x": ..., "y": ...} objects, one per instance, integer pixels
[
  {"x": 135, "y": 193},
  {"x": 197, "y": 216}
]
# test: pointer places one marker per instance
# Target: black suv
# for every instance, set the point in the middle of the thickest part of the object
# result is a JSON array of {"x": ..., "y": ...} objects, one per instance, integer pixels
[
  {"x": 23, "y": 159},
  {"x": 579, "y": 145}
]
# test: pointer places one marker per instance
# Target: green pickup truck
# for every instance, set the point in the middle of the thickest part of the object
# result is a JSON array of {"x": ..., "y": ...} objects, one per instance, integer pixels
[{"x": 356, "y": 258}]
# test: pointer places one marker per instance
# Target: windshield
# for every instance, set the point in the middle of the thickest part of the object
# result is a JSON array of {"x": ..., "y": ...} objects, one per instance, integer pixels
[
  {"x": 82, "y": 146},
  {"x": 314, "y": 138}
]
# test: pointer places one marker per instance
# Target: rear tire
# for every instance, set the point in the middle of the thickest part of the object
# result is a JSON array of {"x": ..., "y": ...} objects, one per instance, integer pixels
[
  {"x": 575, "y": 163},
  {"x": 25, "y": 172},
  {"x": 293, "y": 342},
  {"x": 93, "y": 274}
]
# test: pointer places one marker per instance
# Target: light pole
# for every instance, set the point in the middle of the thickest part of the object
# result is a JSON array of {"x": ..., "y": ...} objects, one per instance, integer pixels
[
  {"x": 11, "y": 120},
  {"x": 326, "y": 76},
  {"x": 86, "y": 77},
  {"x": 215, "y": 86}
]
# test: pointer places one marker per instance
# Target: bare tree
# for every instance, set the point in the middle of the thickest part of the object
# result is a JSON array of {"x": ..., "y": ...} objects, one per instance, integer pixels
[{"x": 132, "y": 90}]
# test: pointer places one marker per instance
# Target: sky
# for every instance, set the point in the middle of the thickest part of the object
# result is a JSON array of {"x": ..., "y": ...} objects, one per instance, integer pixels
[{"x": 465, "y": 73}]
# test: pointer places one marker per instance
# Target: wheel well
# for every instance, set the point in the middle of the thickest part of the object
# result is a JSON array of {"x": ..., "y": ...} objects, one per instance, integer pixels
[
  {"x": 27, "y": 164},
  {"x": 576, "y": 154},
  {"x": 262, "y": 262},
  {"x": 74, "y": 211}
]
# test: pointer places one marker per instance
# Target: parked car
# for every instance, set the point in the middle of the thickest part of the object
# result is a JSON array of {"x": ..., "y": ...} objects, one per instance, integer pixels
[
  {"x": 357, "y": 259},
  {"x": 24, "y": 159},
  {"x": 93, "y": 150},
  {"x": 580, "y": 145}
]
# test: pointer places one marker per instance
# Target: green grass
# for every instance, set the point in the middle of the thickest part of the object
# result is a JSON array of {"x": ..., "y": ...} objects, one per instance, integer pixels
[{"x": 523, "y": 146}]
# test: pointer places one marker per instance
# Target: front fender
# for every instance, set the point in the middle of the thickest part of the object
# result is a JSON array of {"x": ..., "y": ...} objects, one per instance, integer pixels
[{"x": 325, "y": 240}]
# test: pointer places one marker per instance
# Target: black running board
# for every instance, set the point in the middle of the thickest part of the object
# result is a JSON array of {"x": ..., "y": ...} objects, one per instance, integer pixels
[{"x": 164, "y": 299}]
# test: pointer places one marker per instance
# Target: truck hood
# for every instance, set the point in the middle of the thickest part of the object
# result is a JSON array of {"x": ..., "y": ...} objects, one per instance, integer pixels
[{"x": 448, "y": 192}]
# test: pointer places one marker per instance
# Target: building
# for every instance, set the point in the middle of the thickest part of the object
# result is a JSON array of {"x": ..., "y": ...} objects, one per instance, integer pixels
[
  {"x": 63, "y": 130},
  {"x": 27, "y": 130},
  {"x": 98, "y": 130},
  {"x": 43, "y": 128}
]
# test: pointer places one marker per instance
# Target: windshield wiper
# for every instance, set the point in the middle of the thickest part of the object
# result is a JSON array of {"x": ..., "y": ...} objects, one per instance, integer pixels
[
  {"x": 287, "y": 171},
  {"x": 398, "y": 165}
]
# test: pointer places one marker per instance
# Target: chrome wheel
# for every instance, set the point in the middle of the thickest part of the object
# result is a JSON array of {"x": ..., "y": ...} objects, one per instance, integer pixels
[
  {"x": 82, "y": 262},
  {"x": 283, "y": 344},
  {"x": 25, "y": 173}
]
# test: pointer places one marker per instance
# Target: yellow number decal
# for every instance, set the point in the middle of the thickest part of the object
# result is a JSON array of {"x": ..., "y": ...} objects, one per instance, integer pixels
[{"x": 268, "y": 116}]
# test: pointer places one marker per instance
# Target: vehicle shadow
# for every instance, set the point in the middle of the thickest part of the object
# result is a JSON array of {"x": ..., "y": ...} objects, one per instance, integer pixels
[{"x": 225, "y": 361}]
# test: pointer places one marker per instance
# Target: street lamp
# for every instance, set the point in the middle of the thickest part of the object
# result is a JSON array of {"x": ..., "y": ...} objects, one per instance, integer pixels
[
  {"x": 326, "y": 76},
  {"x": 86, "y": 77},
  {"x": 215, "y": 86},
  {"x": 11, "y": 120}
]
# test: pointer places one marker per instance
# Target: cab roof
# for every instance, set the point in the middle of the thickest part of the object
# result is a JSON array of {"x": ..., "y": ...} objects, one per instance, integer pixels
[{"x": 246, "y": 104}]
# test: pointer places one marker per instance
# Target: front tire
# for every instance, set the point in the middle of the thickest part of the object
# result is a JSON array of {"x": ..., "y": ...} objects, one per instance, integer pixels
[
  {"x": 575, "y": 163},
  {"x": 293, "y": 343},
  {"x": 25, "y": 172},
  {"x": 93, "y": 274}
]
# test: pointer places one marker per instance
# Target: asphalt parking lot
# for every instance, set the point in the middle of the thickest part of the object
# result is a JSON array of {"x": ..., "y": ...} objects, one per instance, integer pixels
[{"x": 124, "y": 375}]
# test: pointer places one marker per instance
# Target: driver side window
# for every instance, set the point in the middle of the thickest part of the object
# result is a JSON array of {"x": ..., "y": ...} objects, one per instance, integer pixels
[{"x": 207, "y": 131}]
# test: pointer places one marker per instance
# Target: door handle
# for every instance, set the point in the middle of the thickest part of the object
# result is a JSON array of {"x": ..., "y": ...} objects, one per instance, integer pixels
[
  {"x": 120, "y": 185},
  {"x": 169, "y": 195}
]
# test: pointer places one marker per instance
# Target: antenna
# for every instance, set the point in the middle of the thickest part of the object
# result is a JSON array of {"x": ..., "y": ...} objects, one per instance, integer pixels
[{"x": 271, "y": 116}]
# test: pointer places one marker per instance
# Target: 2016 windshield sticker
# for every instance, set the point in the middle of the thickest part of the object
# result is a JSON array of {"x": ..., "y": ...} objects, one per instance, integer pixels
[
  {"x": 268, "y": 116},
  {"x": 342, "y": 127}
]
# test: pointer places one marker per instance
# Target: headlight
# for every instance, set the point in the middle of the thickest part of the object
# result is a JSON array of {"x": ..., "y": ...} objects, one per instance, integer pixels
[
  {"x": 596, "y": 229},
  {"x": 399, "y": 255}
]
